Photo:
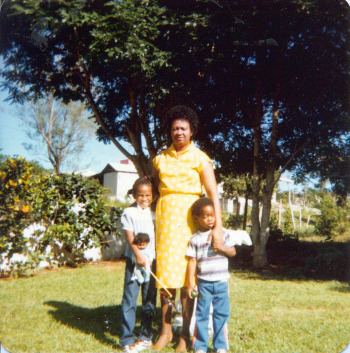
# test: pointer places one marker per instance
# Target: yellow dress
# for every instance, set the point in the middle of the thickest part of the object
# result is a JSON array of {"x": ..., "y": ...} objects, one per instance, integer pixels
[{"x": 180, "y": 185}]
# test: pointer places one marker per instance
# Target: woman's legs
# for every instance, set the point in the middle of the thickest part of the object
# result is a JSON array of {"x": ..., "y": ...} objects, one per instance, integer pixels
[
  {"x": 166, "y": 335},
  {"x": 187, "y": 310}
]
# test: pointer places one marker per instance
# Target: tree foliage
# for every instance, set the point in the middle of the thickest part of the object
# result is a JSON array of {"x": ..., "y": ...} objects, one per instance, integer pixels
[
  {"x": 268, "y": 79},
  {"x": 41, "y": 217}
]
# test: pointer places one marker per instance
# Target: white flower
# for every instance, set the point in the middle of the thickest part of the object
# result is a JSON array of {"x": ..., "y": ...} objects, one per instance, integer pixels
[
  {"x": 30, "y": 230},
  {"x": 16, "y": 257},
  {"x": 4, "y": 267},
  {"x": 48, "y": 250},
  {"x": 43, "y": 264},
  {"x": 86, "y": 231},
  {"x": 93, "y": 254},
  {"x": 78, "y": 207}
]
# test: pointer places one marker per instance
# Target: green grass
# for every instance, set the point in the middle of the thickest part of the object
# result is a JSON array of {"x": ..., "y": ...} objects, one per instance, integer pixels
[{"x": 78, "y": 310}]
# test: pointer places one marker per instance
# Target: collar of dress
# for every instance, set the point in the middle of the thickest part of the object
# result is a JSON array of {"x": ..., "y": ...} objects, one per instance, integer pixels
[
  {"x": 174, "y": 152},
  {"x": 145, "y": 210}
]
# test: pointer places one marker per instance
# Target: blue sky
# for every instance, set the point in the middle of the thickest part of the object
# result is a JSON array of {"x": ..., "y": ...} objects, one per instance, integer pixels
[
  {"x": 13, "y": 135},
  {"x": 95, "y": 157}
]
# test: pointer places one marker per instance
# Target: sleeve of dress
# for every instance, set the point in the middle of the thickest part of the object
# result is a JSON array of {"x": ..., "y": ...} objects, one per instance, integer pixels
[
  {"x": 203, "y": 161},
  {"x": 126, "y": 221},
  {"x": 155, "y": 162}
]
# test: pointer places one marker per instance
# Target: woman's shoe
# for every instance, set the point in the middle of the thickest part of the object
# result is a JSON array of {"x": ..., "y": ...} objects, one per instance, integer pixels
[
  {"x": 163, "y": 341},
  {"x": 183, "y": 344}
]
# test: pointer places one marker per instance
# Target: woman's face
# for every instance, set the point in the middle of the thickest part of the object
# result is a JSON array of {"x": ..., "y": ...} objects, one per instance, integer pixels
[{"x": 181, "y": 133}]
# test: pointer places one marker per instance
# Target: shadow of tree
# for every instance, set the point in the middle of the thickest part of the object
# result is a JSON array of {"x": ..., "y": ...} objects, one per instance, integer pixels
[
  {"x": 342, "y": 288},
  {"x": 102, "y": 322},
  {"x": 291, "y": 259}
]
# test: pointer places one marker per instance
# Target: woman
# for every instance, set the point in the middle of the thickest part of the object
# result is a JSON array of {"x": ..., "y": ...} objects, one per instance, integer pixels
[{"x": 179, "y": 173}]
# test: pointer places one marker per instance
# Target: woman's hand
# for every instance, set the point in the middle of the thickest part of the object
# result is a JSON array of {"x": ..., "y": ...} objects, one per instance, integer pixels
[
  {"x": 141, "y": 260},
  {"x": 216, "y": 237}
]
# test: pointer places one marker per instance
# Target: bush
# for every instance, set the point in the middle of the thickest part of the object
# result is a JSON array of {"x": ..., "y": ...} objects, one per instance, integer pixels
[
  {"x": 328, "y": 221},
  {"x": 329, "y": 261},
  {"x": 49, "y": 219},
  {"x": 231, "y": 221}
]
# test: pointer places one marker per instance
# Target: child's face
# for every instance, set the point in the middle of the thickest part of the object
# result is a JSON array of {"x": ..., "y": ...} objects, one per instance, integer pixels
[
  {"x": 142, "y": 245},
  {"x": 143, "y": 196},
  {"x": 206, "y": 219}
]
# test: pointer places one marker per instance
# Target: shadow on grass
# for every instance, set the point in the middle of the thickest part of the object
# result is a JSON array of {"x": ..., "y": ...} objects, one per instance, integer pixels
[
  {"x": 292, "y": 259},
  {"x": 342, "y": 289},
  {"x": 101, "y": 322}
]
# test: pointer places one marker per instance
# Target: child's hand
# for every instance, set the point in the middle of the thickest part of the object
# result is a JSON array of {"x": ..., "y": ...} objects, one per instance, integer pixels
[{"x": 190, "y": 289}]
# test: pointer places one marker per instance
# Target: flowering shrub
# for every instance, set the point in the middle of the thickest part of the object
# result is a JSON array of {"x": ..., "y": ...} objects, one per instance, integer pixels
[{"x": 49, "y": 219}]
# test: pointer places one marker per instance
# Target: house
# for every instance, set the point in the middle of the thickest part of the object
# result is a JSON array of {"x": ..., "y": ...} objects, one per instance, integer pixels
[{"x": 118, "y": 177}]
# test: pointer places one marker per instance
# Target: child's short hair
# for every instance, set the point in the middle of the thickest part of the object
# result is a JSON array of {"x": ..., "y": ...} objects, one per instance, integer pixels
[
  {"x": 140, "y": 181},
  {"x": 199, "y": 204},
  {"x": 141, "y": 238}
]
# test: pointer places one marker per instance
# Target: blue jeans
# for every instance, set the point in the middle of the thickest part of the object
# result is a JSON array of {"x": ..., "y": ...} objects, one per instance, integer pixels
[
  {"x": 216, "y": 293},
  {"x": 131, "y": 292}
]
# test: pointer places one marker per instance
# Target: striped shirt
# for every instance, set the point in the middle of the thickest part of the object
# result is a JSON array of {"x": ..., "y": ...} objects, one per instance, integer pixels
[{"x": 211, "y": 266}]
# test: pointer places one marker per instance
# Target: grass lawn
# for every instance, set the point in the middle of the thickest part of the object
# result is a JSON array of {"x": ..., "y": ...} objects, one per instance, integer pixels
[{"x": 78, "y": 310}]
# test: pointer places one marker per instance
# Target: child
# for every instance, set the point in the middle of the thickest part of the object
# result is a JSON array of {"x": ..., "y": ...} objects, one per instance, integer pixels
[
  {"x": 142, "y": 274},
  {"x": 138, "y": 218},
  {"x": 211, "y": 263}
]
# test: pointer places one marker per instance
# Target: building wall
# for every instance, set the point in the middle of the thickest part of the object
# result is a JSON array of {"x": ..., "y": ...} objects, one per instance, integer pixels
[
  {"x": 110, "y": 182},
  {"x": 125, "y": 182}
]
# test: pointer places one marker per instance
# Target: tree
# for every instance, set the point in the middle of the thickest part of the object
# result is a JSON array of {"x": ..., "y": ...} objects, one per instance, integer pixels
[
  {"x": 269, "y": 80},
  {"x": 64, "y": 129},
  {"x": 285, "y": 105},
  {"x": 102, "y": 52}
]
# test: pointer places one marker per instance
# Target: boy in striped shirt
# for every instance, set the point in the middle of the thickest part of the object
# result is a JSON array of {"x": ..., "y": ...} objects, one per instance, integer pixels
[{"x": 209, "y": 263}]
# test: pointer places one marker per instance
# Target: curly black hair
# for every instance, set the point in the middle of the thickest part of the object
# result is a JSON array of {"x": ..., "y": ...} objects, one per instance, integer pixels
[
  {"x": 199, "y": 204},
  {"x": 141, "y": 238},
  {"x": 181, "y": 112}
]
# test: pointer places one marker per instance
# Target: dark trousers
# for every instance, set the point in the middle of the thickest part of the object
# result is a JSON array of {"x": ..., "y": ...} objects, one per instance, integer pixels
[{"x": 149, "y": 297}]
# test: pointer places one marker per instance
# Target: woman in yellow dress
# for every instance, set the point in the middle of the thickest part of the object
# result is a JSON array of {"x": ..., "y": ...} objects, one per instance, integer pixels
[{"x": 179, "y": 173}]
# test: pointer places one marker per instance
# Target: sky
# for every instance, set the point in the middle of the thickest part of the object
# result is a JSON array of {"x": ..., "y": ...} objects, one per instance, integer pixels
[
  {"x": 96, "y": 154},
  {"x": 13, "y": 134}
]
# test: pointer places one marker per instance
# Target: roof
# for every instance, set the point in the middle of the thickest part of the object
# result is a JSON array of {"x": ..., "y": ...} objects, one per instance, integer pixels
[
  {"x": 86, "y": 172},
  {"x": 117, "y": 167}
]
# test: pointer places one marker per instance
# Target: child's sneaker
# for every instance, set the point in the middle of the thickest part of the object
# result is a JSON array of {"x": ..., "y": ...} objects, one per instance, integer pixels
[
  {"x": 142, "y": 345},
  {"x": 129, "y": 349},
  {"x": 221, "y": 350},
  {"x": 199, "y": 351}
]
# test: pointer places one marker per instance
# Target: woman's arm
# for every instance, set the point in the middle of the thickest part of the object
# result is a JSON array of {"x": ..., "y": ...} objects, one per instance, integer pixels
[
  {"x": 211, "y": 188},
  {"x": 155, "y": 176}
]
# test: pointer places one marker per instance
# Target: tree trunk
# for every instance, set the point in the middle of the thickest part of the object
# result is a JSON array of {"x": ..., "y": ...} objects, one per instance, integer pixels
[
  {"x": 262, "y": 226},
  {"x": 245, "y": 211},
  {"x": 258, "y": 253},
  {"x": 141, "y": 162}
]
